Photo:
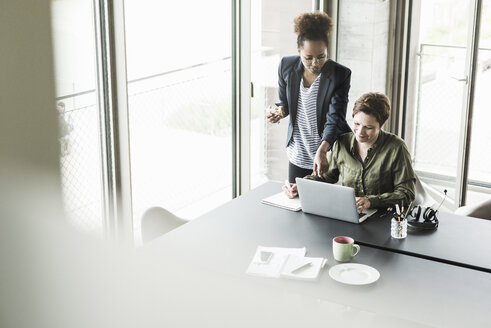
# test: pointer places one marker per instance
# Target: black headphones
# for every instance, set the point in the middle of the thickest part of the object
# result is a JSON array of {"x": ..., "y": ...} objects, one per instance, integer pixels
[{"x": 429, "y": 222}]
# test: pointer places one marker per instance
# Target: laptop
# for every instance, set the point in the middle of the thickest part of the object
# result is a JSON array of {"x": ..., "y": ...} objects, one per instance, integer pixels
[{"x": 330, "y": 200}]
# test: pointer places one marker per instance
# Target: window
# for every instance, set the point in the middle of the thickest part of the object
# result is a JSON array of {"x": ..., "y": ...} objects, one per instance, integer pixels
[
  {"x": 446, "y": 98},
  {"x": 76, "y": 97},
  {"x": 180, "y": 105},
  {"x": 479, "y": 177}
]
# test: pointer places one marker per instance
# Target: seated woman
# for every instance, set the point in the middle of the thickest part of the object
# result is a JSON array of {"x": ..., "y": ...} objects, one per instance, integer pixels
[{"x": 375, "y": 163}]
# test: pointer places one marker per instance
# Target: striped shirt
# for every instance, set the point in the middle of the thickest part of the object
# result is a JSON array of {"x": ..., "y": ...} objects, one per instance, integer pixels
[{"x": 306, "y": 140}]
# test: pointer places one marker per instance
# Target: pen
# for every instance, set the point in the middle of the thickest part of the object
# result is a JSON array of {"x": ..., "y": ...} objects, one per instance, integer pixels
[{"x": 302, "y": 267}]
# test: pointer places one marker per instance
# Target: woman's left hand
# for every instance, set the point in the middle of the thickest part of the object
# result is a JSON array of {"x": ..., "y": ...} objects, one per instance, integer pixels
[{"x": 362, "y": 203}]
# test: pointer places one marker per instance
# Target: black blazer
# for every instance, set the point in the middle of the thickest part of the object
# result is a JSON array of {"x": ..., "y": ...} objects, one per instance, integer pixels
[{"x": 332, "y": 97}]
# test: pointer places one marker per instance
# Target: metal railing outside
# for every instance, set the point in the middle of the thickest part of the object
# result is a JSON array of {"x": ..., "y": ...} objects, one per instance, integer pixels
[
  {"x": 440, "y": 90},
  {"x": 157, "y": 104}
]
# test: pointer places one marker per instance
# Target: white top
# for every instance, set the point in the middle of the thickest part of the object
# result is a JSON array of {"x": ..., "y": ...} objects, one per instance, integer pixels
[{"x": 303, "y": 146}]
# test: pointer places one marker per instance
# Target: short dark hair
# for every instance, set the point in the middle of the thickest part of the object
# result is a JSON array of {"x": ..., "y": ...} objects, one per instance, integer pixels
[
  {"x": 312, "y": 26},
  {"x": 373, "y": 103}
]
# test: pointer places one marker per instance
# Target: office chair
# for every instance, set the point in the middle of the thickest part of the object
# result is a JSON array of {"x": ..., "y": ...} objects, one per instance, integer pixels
[
  {"x": 157, "y": 221},
  {"x": 481, "y": 210}
]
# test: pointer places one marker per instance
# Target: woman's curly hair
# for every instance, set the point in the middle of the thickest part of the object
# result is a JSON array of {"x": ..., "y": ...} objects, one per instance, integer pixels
[
  {"x": 312, "y": 26},
  {"x": 373, "y": 103}
]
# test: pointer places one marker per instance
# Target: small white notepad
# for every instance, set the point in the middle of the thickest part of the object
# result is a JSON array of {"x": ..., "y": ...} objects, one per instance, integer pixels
[
  {"x": 303, "y": 268},
  {"x": 282, "y": 200}
]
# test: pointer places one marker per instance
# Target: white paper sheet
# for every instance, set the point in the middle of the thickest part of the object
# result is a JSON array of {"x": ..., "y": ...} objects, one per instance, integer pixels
[{"x": 273, "y": 267}]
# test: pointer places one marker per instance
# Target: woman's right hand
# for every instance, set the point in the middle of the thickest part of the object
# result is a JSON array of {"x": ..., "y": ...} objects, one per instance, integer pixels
[
  {"x": 290, "y": 189},
  {"x": 275, "y": 113}
]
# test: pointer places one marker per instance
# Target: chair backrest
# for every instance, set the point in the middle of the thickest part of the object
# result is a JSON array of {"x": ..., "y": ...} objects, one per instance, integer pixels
[
  {"x": 157, "y": 221},
  {"x": 481, "y": 210},
  {"x": 422, "y": 197}
]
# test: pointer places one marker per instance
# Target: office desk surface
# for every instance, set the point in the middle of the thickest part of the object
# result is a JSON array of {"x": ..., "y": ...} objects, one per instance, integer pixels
[
  {"x": 411, "y": 291},
  {"x": 463, "y": 241},
  {"x": 459, "y": 240}
]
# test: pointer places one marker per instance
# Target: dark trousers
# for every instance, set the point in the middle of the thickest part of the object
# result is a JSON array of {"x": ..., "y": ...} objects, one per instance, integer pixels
[{"x": 297, "y": 172}]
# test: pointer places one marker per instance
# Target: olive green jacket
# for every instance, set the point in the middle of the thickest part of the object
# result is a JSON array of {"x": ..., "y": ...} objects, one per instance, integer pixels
[{"x": 386, "y": 177}]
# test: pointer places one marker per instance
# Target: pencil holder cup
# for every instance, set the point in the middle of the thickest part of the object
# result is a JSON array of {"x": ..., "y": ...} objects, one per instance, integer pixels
[{"x": 398, "y": 229}]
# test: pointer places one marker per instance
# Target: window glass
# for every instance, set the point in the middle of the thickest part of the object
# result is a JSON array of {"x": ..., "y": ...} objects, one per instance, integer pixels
[
  {"x": 479, "y": 187},
  {"x": 180, "y": 105},
  {"x": 78, "y": 112},
  {"x": 442, "y": 48}
]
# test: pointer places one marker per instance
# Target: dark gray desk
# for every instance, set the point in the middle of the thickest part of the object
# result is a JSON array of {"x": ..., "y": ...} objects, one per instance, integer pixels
[
  {"x": 462, "y": 241},
  {"x": 411, "y": 291}
]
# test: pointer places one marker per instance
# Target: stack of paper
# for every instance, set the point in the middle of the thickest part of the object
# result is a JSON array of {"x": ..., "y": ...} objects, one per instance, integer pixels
[{"x": 290, "y": 263}]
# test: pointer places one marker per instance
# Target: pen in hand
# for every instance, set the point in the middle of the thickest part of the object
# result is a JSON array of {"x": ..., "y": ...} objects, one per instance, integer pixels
[{"x": 289, "y": 190}]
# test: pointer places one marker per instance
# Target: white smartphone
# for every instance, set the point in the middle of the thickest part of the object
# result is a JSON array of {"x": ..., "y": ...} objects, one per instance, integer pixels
[{"x": 265, "y": 256}]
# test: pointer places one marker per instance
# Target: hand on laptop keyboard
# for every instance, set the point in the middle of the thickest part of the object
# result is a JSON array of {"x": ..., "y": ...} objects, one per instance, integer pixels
[{"x": 362, "y": 204}]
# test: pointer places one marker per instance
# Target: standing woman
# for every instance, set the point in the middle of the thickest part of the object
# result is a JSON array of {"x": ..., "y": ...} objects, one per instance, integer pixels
[{"x": 313, "y": 90}]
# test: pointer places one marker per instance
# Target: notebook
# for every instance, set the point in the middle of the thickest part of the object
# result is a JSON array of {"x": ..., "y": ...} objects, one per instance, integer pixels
[
  {"x": 302, "y": 267},
  {"x": 330, "y": 200},
  {"x": 282, "y": 200}
]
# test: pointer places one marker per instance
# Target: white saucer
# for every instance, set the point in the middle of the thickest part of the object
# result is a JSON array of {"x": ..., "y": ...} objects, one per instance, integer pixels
[{"x": 354, "y": 274}]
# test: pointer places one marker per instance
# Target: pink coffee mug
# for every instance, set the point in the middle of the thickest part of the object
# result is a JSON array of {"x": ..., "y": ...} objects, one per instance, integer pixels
[{"x": 344, "y": 248}]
